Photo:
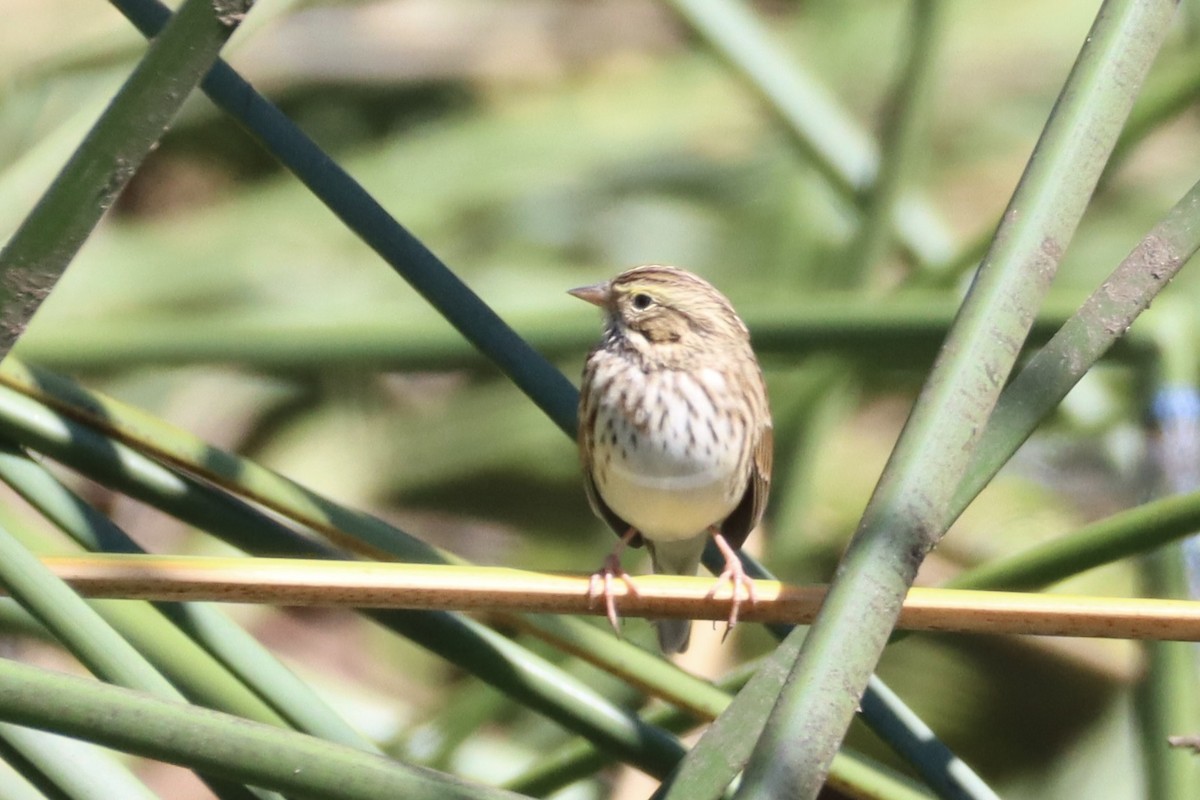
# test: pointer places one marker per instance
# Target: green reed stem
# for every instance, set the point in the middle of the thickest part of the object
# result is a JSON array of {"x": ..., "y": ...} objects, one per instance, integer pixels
[
  {"x": 40, "y": 250},
  {"x": 903, "y": 519},
  {"x": 216, "y": 743}
]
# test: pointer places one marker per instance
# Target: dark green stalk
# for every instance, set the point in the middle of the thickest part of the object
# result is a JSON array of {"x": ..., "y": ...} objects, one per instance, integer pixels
[
  {"x": 38, "y": 253},
  {"x": 903, "y": 520},
  {"x": 361, "y": 213}
]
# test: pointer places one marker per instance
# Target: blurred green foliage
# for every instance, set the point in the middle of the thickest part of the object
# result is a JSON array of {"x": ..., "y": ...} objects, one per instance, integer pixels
[{"x": 535, "y": 146}]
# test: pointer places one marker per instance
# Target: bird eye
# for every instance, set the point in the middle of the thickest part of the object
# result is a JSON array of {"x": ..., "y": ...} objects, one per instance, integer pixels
[{"x": 641, "y": 301}]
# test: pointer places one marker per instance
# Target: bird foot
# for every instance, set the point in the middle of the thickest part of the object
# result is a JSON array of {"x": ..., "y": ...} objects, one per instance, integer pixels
[
  {"x": 600, "y": 584},
  {"x": 738, "y": 580}
]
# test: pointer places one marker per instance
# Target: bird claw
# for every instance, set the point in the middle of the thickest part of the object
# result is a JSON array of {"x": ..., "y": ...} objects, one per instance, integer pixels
[
  {"x": 603, "y": 577},
  {"x": 738, "y": 580}
]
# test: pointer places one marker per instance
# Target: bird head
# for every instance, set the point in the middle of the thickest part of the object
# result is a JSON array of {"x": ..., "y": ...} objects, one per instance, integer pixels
[{"x": 661, "y": 306}]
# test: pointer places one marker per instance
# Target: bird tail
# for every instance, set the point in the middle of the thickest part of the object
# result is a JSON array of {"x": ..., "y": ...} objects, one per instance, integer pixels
[{"x": 676, "y": 558}]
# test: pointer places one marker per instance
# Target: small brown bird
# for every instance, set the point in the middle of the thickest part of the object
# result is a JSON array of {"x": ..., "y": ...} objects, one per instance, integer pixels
[{"x": 674, "y": 430}]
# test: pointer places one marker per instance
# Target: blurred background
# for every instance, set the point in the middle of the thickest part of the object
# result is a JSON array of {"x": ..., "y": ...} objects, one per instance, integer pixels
[{"x": 536, "y": 145}]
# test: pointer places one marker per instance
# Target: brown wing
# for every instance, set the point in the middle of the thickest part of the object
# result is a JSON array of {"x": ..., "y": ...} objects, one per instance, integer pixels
[
  {"x": 587, "y": 426},
  {"x": 749, "y": 511}
]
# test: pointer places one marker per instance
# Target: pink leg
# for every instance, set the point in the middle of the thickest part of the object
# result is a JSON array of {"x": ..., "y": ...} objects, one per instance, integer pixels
[
  {"x": 600, "y": 583},
  {"x": 737, "y": 578}
]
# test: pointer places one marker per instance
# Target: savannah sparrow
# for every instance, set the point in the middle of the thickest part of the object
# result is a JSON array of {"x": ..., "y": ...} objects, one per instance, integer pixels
[{"x": 674, "y": 430}]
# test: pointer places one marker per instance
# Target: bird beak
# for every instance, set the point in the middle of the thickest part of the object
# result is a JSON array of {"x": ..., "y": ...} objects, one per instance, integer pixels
[{"x": 596, "y": 294}]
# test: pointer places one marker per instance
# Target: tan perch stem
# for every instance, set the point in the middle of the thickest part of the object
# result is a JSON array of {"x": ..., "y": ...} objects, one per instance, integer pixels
[{"x": 296, "y": 582}]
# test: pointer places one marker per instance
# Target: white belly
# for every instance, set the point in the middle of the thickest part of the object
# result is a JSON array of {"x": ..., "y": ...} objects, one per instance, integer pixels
[
  {"x": 666, "y": 512},
  {"x": 669, "y": 479}
]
